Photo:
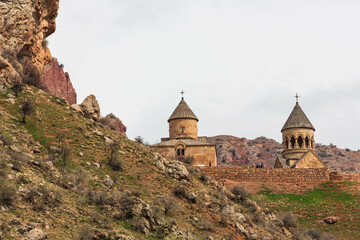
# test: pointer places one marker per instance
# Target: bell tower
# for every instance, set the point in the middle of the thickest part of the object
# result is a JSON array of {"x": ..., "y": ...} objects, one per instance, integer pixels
[{"x": 298, "y": 134}]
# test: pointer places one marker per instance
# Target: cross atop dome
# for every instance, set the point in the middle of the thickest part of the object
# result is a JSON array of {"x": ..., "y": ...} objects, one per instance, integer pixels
[{"x": 182, "y": 94}]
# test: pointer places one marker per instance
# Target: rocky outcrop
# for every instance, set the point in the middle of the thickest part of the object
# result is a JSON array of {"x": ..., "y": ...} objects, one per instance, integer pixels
[
  {"x": 24, "y": 26},
  {"x": 57, "y": 82},
  {"x": 90, "y": 107},
  {"x": 174, "y": 168},
  {"x": 114, "y": 123}
]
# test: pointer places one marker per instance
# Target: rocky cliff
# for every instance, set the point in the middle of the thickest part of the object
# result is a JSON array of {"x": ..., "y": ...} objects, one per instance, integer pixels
[
  {"x": 241, "y": 151},
  {"x": 57, "y": 82},
  {"x": 24, "y": 27}
]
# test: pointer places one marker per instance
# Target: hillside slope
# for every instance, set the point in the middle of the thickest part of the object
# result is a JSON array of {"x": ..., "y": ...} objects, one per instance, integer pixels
[
  {"x": 244, "y": 152},
  {"x": 63, "y": 176}
]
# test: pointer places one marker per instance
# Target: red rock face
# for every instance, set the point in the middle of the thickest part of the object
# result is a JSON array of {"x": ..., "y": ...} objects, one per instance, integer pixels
[
  {"x": 58, "y": 83},
  {"x": 114, "y": 122}
]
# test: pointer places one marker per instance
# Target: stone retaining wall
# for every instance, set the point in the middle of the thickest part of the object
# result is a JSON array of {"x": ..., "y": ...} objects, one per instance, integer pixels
[{"x": 296, "y": 176}]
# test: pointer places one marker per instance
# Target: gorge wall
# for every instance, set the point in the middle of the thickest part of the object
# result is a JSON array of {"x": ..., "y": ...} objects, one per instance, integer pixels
[{"x": 24, "y": 54}]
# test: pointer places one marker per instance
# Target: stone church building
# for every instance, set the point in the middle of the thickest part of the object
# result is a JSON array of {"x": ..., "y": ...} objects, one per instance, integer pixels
[
  {"x": 298, "y": 143},
  {"x": 183, "y": 142}
]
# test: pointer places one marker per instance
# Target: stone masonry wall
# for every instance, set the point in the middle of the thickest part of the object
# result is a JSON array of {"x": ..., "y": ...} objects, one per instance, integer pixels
[
  {"x": 351, "y": 177},
  {"x": 241, "y": 174}
]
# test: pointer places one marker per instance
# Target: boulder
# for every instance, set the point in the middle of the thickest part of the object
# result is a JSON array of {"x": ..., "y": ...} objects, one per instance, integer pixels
[
  {"x": 192, "y": 197},
  {"x": 331, "y": 219},
  {"x": 108, "y": 182},
  {"x": 177, "y": 170},
  {"x": 114, "y": 123},
  {"x": 35, "y": 234},
  {"x": 91, "y": 108},
  {"x": 174, "y": 168}
]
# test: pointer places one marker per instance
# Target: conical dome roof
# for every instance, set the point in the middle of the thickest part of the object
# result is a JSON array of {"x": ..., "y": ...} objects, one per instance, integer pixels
[
  {"x": 297, "y": 119},
  {"x": 182, "y": 111}
]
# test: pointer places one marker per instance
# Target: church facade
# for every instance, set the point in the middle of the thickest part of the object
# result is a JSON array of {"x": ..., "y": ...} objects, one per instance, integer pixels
[
  {"x": 183, "y": 142},
  {"x": 298, "y": 143}
]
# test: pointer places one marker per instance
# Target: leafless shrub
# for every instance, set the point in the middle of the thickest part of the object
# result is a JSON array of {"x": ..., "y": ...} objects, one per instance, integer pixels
[
  {"x": 6, "y": 141},
  {"x": 86, "y": 232},
  {"x": 170, "y": 206},
  {"x": 97, "y": 197},
  {"x": 240, "y": 193},
  {"x": 49, "y": 198},
  {"x": 139, "y": 225},
  {"x": 7, "y": 192},
  {"x": 79, "y": 180},
  {"x": 18, "y": 87},
  {"x": 31, "y": 74},
  {"x": 66, "y": 153},
  {"x": 27, "y": 108},
  {"x": 205, "y": 224},
  {"x": 98, "y": 218},
  {"x": 179, "y": 192},
  {"x": 314, "y": 234},
  {"x": 192, "y": 170},
  {"x": 188, "y": 160},
  {"x": 113, "y": 156},
  {"x": 18, "y": 160},
  {"x": 205, "y": 178},
  {"x": 289, "y": 220},
  {"x": 139, "y": 139},
  {"x": 31, "y": 194}
]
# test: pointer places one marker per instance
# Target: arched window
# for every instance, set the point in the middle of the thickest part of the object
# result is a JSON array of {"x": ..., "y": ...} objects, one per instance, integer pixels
[
  {"x": 307, "y": 142},
  {"x": 180, "y": 151},
  {"x": 300, "y": 141},
  {"x": 292, "y": 141}
]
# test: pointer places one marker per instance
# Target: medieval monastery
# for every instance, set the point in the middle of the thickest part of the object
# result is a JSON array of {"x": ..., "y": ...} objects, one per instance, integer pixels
[
  {"x": 298, "y": 142},
  {"x": 183, "y": 142}
]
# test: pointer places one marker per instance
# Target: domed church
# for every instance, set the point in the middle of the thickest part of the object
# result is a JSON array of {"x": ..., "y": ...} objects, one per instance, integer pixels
[
  {"x": 183, "y": 142},
  {"x": 298, "y": 142}
]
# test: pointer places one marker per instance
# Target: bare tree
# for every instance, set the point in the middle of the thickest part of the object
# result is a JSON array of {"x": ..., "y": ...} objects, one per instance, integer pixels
[
  {"x": 18, "y": 87},
  {"x": 27, "y": 108},
  {"x": 139, "y": 139}
]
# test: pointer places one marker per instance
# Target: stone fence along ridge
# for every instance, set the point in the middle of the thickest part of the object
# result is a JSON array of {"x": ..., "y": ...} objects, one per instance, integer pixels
[{"x": 241, "y": 174}]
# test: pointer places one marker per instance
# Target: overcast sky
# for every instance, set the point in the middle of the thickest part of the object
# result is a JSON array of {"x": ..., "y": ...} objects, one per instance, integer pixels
[{"x": 240, "y": 63}]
